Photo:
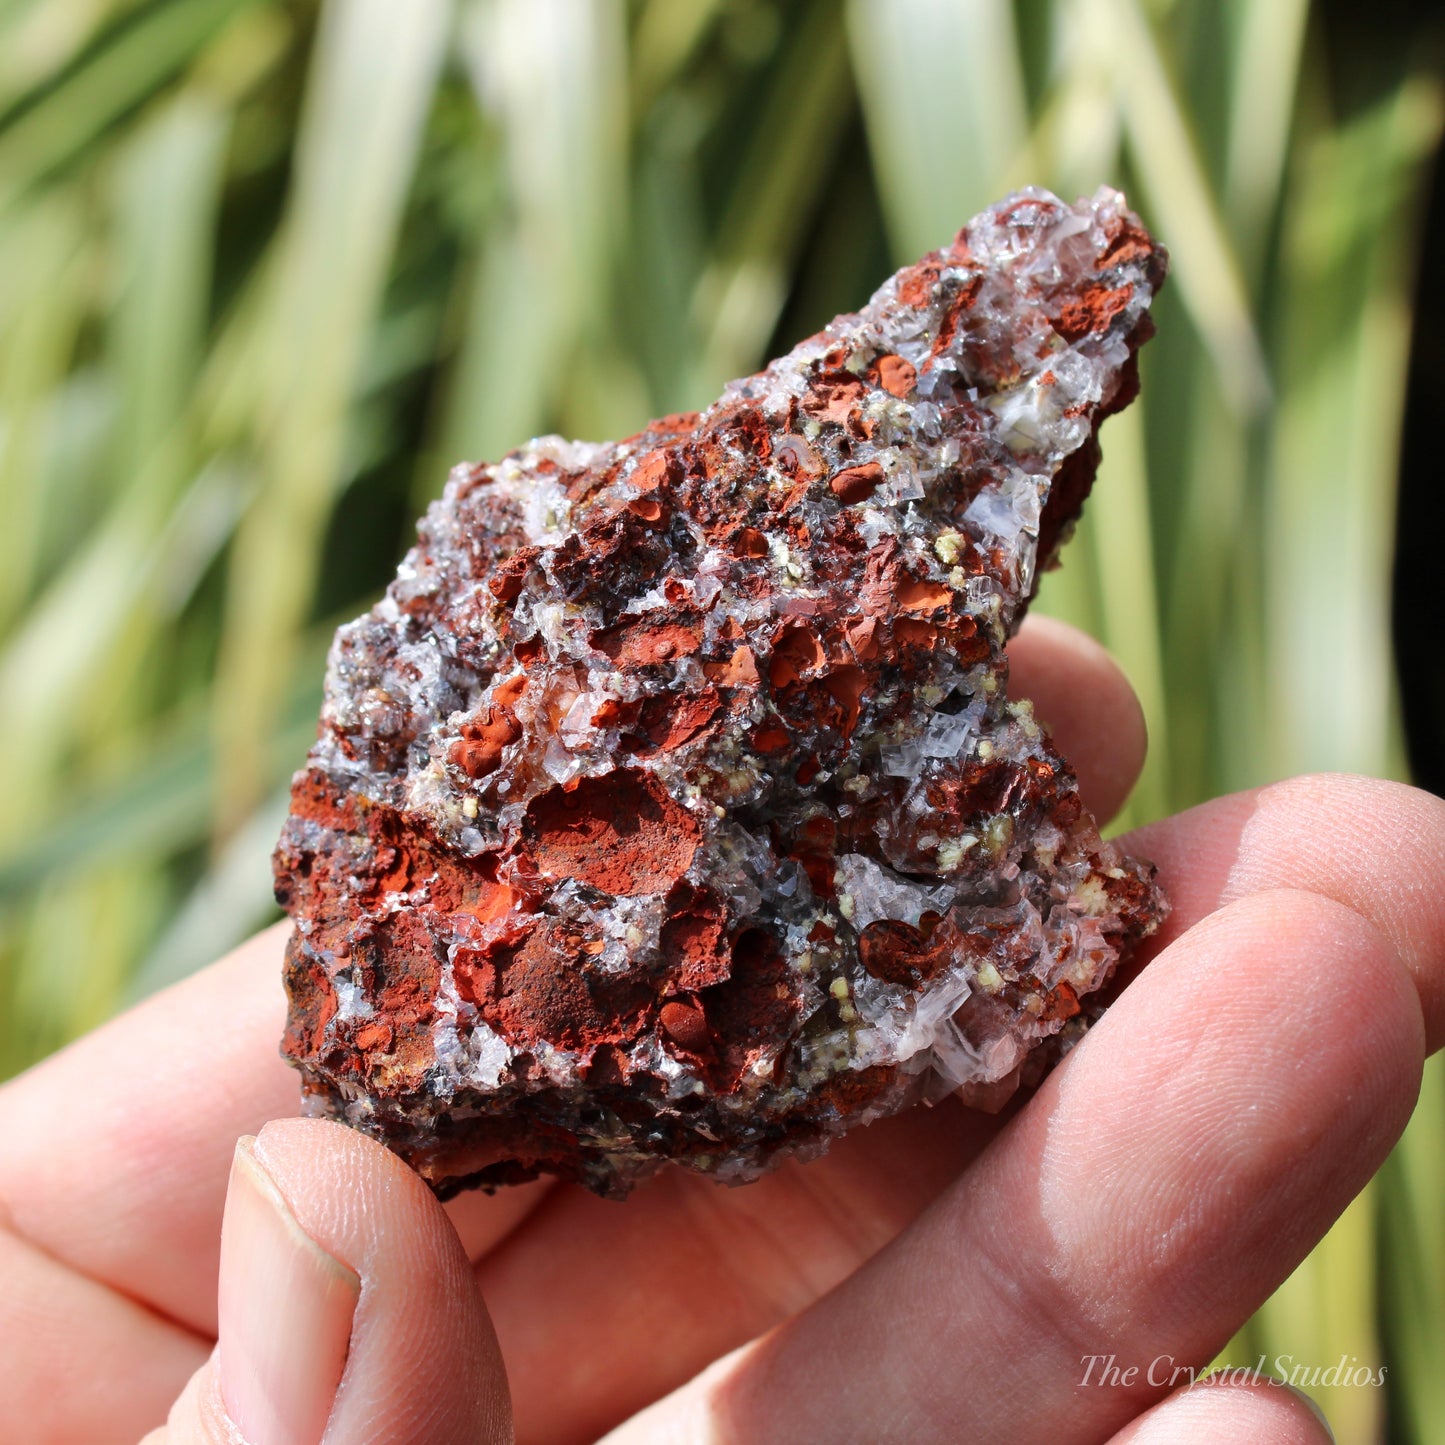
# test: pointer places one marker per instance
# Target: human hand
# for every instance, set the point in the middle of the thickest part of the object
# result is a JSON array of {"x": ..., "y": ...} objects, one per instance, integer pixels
[{"x": 939, "y": 1276}]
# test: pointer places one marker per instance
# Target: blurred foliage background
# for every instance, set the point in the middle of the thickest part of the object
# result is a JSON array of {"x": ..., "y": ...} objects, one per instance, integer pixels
[{"x": 267, "y": 267}]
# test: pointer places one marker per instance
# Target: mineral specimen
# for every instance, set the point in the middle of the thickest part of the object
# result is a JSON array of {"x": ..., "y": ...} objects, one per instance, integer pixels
[{"x": 670, "y": 805}]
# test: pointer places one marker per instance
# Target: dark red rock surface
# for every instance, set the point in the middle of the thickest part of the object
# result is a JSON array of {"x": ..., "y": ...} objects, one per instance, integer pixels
[{"x": 671, "y": 806}]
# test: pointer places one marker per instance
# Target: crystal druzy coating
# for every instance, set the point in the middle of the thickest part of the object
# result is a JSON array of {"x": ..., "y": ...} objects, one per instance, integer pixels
[{"x": 670, "y": 805}]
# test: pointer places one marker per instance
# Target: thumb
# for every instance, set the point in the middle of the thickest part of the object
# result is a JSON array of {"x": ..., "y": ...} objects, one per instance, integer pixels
[{"x": 347, "y": 1307}]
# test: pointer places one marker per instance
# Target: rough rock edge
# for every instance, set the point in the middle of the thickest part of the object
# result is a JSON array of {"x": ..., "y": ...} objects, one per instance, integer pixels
[{"x": 670, "y": 805}]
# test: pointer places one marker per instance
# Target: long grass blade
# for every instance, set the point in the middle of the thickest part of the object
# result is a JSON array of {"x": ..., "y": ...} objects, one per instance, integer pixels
[
  {"x": 1269, "y": 44},
  {"x": 943, "y": 91},
  {"x": 374, "y": 71},
  {"x": 167, "y": 196},
  {"x": 39, "y": 330},
  {"x": 553, "y": 75},
  {"x": 106, "y": 85},
  {"x": 1205, "y": 268},
  {"x": 1331, "y": 519},
  {"x": 741, "y": 294}
]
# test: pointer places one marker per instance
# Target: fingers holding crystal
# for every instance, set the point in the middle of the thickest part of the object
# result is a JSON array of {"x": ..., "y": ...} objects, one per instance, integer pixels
[{"x": 1185, "y": 1157}]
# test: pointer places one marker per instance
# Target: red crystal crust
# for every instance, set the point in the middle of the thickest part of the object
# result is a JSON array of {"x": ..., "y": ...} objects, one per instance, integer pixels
[{"x": 671, "y": 805}]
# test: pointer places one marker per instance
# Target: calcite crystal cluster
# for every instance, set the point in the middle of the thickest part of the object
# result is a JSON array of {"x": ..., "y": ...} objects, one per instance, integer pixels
[{"x": 671, "y": 806}]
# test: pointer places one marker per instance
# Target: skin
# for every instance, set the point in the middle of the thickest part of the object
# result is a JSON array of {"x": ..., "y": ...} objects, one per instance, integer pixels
[{"x": 938, "y": 1276}]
